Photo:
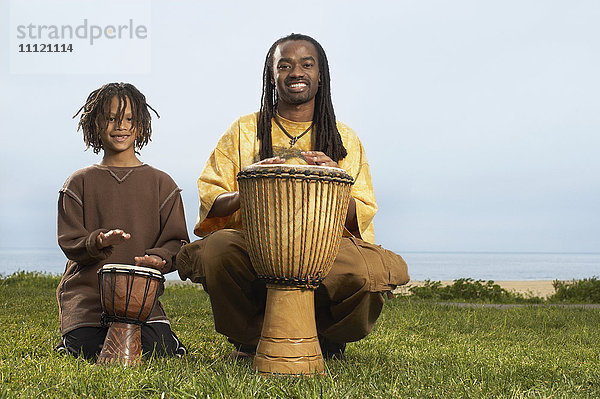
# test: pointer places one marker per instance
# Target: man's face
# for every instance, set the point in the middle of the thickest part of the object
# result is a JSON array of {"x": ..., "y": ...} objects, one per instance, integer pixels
[{"x": 296, "y": 71}]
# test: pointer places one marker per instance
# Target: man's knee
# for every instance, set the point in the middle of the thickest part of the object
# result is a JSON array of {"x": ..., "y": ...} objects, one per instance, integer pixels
[
  {"x": 188, "y": 264},
  {"x": 223, "y": 259},
  {"x": 367, "y": 314},
  {"x": 352, "y": 320},
  {"x": 202, "y": 258},
  {"x": 349, "y": 274},
  {"x": 223, "y": 245}
]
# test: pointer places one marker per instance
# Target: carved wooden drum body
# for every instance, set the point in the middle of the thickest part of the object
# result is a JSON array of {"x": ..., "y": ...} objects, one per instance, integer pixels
[
  {"x": 128, "y": 295},
  {"x": 293, "y": 217}
]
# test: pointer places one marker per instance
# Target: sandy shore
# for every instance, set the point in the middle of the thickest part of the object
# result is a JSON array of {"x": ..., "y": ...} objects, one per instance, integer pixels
[{"x": 541, "y": 288}]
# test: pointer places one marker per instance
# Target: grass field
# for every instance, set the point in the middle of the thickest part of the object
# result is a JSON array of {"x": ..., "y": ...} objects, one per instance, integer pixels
[{"x": 417, "y": 349}]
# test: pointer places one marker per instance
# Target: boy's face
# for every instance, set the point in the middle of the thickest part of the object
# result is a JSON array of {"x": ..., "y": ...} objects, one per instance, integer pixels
[{"x": 119, "y": 137}]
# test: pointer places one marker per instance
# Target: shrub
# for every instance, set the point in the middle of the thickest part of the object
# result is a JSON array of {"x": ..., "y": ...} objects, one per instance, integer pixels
[
  {"x": 586, "y": 290},
  {"x": 22, "y": 279},
  {"x": 470, "y": 290}
]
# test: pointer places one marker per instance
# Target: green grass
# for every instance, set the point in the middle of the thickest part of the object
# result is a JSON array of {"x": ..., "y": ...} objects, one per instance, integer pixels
[{"x": 417, "y": 349}]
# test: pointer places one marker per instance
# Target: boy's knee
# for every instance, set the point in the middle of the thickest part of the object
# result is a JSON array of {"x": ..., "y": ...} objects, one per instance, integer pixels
[
  {"x": 158, "y": 339},
  {"x": 83, "y": 341}
]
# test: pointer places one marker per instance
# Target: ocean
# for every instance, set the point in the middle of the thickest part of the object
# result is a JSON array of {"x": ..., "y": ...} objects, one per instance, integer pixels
[{"x": 497, "y": 266}]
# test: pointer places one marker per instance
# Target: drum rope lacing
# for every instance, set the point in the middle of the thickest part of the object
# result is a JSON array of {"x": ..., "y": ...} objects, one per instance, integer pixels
[
  {"x": 305, "y": 175},
  {"x": 105, "y": 318},
  {"x": 288, "y": 172},
  {"x": 307, "y": 282}
]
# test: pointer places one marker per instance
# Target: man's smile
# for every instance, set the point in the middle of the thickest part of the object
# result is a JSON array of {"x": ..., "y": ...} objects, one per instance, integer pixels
[{"x": 297, "y": 86}]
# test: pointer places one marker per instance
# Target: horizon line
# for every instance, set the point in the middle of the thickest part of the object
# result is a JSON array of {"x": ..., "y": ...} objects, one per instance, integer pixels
[{"x": 533, "y": 252}]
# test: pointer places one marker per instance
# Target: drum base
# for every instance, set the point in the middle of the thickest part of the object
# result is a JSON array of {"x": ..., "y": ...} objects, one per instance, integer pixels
[
  {"x": 123, "y": 344},
  {"x": 288, "y": 343}
]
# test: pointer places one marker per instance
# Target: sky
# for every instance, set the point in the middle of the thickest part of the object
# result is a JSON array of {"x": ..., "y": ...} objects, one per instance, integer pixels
[{"x": 480, "y": 119}]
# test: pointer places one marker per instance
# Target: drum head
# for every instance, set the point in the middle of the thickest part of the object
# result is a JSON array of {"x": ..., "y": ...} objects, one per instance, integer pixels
[
  {"x": 296, "y": 171},
  {"x": 114, "y": 267}
]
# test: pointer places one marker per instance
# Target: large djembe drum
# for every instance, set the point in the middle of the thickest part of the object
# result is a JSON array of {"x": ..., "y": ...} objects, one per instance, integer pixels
[
  {"x": 293, "y": 217},
  {"x": 128, "y": 295}
]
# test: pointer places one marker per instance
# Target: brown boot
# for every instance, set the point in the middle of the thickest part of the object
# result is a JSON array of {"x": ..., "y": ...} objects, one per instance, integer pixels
[
  {"x": 332, "y": 350},
  {"x": 241, "y": 351}
]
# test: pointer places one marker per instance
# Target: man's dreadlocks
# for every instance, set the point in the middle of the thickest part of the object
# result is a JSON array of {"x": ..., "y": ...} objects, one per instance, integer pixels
[
  {"x": 326, "y": 137},
  {"x": 96, "y": 112}
]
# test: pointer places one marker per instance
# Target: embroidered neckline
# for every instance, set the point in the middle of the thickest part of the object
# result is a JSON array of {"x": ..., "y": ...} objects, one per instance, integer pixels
[
  {"x": 113, "y": 170},
  {"x": 120, "y": 179}
]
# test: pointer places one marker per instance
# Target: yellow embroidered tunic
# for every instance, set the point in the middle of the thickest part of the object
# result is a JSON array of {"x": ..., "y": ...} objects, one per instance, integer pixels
[{"x": 239, "y": 147}]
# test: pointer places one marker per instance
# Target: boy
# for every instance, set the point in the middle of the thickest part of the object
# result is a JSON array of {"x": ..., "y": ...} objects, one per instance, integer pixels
[{"x": 118, "y": 211}]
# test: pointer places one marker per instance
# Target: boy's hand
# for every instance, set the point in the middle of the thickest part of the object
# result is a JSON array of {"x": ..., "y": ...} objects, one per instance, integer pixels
[
  {"x": 113, "y": 237},
  {"x": 152, "y": 261}
]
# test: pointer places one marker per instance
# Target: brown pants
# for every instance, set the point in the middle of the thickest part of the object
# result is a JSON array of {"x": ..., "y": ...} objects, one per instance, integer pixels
[{"x": 347, "y": 303}]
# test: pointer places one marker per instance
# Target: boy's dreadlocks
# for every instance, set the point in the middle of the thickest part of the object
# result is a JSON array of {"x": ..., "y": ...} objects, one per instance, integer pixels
[
  {"x": 96, "y": 112},
  {"x": 326, "y": 138}
]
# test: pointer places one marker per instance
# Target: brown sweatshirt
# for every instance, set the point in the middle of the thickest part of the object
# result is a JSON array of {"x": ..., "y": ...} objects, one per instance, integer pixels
[{"x": 142, "y": 201}]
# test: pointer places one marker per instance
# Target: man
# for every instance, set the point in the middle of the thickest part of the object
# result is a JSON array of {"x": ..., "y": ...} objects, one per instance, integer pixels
[{"x": 296, "y": 124}]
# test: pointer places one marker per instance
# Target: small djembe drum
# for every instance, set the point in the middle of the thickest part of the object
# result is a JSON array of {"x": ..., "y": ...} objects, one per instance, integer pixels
[
  {"x": 128, "y": 295},
  {"x": 293, "y": 217}
]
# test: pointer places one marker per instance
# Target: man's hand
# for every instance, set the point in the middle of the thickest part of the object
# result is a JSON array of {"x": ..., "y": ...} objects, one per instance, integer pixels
[
  {"x": 113, "y": 237},
  {"x": 319, "y": 158},
  {"x": 271, "y": 161},
  {"x": 152, "y": 261}
]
